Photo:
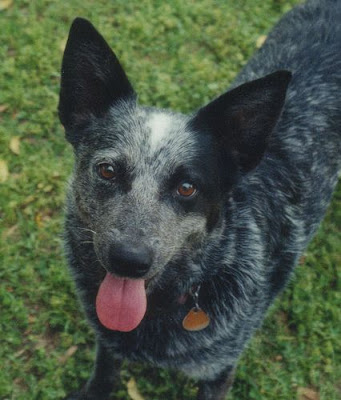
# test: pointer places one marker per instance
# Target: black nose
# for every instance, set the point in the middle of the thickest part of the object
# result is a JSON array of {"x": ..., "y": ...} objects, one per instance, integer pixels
[{"x": 130, "y": 261}]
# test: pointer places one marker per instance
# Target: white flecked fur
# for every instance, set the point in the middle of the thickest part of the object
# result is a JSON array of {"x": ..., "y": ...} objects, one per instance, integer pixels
[{"x": 159, "y": 124}]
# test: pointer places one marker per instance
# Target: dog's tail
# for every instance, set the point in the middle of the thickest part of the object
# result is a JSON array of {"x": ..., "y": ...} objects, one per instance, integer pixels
[
  {"x": 326, "y": 9},
  {"x": 324, "y": 2},
  {"x": 335, "y": 4}
]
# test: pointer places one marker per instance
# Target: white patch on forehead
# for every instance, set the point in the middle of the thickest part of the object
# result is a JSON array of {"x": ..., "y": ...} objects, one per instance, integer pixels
[{"x": 159, "y": 125}]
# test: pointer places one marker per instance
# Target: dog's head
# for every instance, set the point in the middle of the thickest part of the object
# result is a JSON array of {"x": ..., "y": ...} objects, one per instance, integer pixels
[{"x": 151, "y": 183}]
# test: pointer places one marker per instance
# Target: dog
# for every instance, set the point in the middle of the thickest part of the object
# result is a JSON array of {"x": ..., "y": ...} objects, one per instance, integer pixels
[{"x": 181, "y": 230}]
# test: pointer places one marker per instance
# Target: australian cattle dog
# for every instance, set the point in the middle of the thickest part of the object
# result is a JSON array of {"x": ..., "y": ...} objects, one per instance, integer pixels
[{"x": 182, "y": 229}]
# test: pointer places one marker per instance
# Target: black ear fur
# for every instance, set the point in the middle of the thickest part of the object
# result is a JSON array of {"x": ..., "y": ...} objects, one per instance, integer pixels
[
  {"x": 92, "y": 78},
  {"x": 243, "y": 119}
]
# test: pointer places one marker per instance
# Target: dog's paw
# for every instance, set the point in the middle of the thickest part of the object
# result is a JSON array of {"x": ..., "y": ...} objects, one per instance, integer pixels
[
  {"x": 81, "y": 395},
  {"x": 74, "y": 396}
]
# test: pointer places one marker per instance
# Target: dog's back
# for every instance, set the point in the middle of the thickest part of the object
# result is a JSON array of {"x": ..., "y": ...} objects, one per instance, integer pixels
[
  {"x": 302, "y": 162},
  {"x": 307, "y": 42}
]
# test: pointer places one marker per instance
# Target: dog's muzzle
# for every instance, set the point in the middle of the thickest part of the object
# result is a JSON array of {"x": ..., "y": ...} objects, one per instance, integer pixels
[{"x": 129, "y": 260}]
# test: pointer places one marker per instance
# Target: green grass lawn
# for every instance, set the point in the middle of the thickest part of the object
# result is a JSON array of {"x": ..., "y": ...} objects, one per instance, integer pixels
[{"x": 178, "y": 54}]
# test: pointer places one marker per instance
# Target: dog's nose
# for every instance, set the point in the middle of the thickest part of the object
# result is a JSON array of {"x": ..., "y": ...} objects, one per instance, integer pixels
[{"x": 130, "y": 261}]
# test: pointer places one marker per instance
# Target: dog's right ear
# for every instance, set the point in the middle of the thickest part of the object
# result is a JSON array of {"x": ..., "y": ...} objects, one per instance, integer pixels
[{"x": 92, "y": 78}]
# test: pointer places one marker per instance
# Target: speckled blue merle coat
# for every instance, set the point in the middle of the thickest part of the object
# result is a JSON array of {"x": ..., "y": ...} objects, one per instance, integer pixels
[{"x": 264, "y": 159}]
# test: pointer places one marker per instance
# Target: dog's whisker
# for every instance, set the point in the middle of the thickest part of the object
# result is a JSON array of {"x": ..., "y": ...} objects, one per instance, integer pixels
[
  {"x": 87, "y": 242},
  {"x": 87, "y": 230}
]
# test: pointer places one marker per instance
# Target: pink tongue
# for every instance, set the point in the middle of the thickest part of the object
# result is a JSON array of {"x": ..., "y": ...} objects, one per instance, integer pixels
[{"x": 121, "y": 303}]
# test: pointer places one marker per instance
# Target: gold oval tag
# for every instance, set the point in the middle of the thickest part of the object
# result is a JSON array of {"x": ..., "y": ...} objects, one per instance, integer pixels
[{"x": 196, "y": 320}]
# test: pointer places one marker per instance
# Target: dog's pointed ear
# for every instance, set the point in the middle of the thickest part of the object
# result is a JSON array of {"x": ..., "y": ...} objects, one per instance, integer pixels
[
  {"x": 243, "y": 119},
  {"x": 92, "y": 78}
]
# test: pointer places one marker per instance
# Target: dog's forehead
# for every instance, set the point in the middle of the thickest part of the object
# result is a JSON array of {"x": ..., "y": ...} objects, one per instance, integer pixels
[
  {"x": 168, "y": 132},
  {"x": 160, "y": 126},
  {"x": 152, "y": 137}
]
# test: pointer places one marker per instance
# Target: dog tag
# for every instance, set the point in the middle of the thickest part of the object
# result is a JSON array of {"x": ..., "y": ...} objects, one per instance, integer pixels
[{"x": 196, "y": 320}]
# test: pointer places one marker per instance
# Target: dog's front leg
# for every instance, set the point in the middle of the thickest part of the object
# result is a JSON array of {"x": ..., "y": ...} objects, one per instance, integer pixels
[
  {"x": 104, "y": 375},
  {"x": 218, "y": 388}
]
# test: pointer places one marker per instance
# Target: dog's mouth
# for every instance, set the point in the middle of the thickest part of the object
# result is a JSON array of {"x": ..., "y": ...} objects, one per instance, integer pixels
[{"x": 121, "y": 303}]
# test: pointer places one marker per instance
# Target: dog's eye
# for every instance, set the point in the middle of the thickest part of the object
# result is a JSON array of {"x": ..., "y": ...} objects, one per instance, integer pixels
[
  {"x": 106, "y": 171},
  {"x": 186, "y": 189}
]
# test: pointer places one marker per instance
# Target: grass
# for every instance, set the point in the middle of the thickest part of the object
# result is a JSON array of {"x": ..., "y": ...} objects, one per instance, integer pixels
[{"x": 178, "y": 54}]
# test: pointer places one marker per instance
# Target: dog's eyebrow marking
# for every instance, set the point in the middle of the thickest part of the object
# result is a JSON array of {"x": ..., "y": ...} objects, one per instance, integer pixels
[{"x": 159, "y": 124}]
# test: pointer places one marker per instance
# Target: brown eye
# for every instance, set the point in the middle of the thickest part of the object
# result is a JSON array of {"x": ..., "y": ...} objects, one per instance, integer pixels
[
  {"x": 106, "y": 171},
  {"x": 186, "y": 189}
]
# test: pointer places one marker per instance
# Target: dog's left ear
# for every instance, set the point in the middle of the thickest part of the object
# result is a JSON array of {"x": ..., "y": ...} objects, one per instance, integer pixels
[
  {"x": 92, "y": 78},
  {"x": 242, "y": 119}
]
